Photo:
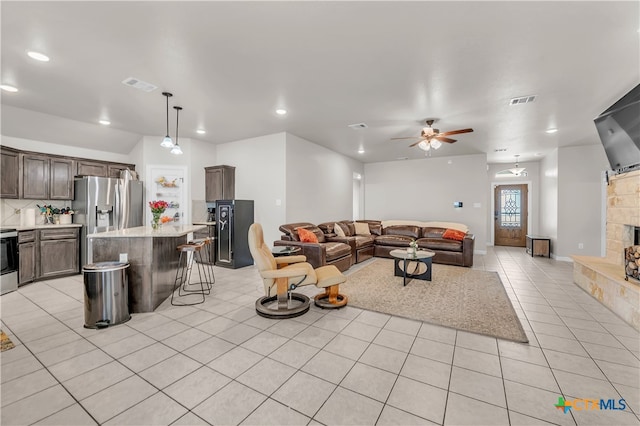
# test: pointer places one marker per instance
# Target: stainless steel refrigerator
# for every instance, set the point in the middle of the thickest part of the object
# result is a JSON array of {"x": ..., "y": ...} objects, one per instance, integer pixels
[
  {"x": 233, "y": 219},
  {"x": 106, "y": 204}
]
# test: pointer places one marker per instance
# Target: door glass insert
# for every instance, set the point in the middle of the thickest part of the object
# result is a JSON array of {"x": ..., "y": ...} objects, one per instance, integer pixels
[{"x": 511, "y": 211}]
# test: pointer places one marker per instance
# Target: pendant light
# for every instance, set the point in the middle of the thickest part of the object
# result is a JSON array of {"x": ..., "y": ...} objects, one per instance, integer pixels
[
  {"x": 517, "y": 170},
  {"x": 176, "y": 150},
  {"x": 167, "y": 142}
]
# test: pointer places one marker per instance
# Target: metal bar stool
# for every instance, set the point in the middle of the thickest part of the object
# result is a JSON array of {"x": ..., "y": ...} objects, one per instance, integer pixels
[
  {"x": 183, "y": 274},
  {"x": 207, "y": 251}
]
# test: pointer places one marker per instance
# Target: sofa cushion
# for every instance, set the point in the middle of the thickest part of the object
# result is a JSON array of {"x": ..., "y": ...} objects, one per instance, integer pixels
[
  {"x": 393, "y": 240},
  {"x": 363, "y": 241},
  {"x": 307, "y": 236},
  {"x": 453, "y": 234},
  {"x": 342, "y": 229},
  {"x": 405, "y": 230},
  {"x": 290, "y": 229},
  {"x": 440, "y": 244},
  {"x": 432, "y": 232},
  {"x": 361, "y": 228},
  {"x": 337, "y": 250}
]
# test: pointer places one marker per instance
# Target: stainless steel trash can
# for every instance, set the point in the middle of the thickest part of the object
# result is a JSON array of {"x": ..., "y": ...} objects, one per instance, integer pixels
[{"x": 106, "y": 294}]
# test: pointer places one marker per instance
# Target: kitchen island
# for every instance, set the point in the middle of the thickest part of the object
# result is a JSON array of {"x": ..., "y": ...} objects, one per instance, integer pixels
[{"x": 152, "y": 256}]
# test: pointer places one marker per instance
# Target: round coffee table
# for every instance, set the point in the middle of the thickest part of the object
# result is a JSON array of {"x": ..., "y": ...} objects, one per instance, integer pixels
[{"x": 421, "y": 258}]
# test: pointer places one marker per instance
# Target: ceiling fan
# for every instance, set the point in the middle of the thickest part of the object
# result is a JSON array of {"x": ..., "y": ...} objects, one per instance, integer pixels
[{"x": 433, "y": 138}]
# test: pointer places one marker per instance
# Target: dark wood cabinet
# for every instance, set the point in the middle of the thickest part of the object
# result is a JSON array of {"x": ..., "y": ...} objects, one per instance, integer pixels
[
  {"x": 26, "y": 256},
  {"x": 47, "y": 177},
  {"x": 10, "y": 164},
  {"x": 35, "y": 176},
  {"x": 92, "y": 168},
  {"x": 220, "y": 183},
  {"x": 58, "y": 252},
  {"x": 115, "y": 169},
  {"x": 61, "y": 173}
]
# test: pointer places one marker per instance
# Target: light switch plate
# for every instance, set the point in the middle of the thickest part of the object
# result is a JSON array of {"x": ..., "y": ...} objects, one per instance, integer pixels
[{"x": 124, "y": 257}]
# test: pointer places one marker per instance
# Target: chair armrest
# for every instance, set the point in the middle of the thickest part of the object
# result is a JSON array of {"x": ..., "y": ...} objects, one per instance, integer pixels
[
  {"x": 297, "y": 271},
  {"x": 290, "y": 259},
  {"x": 468, "y": 243}
]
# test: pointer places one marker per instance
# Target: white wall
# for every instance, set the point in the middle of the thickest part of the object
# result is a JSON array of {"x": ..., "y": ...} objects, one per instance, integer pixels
[
  {"x": 426, "y": 190},
  {"x": 533, "y": 183},
  {"x": 580, "y": 200},
  {"x": 549, "y": 198},
  {"x": 319, "y": 182},
  {"x": 260, "y": 176}
]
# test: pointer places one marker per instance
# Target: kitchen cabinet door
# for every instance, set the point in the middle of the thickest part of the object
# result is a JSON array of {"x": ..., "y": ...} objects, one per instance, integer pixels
[
  {"x": 92, "y": 168},
  {"x": 220, "y": 183},
  {"x": 10, "y": 164},
  {"x": 61, "y": 179},
  {"x": 35, "y": 176},
  {"x": 26, "y": 262},
  {"x": 115, "y": 169},
  {"x": 58, "y": 257}
]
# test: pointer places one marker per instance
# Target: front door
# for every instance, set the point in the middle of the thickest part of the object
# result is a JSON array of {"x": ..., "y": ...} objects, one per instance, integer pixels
[{"x": 510, "y": 216}]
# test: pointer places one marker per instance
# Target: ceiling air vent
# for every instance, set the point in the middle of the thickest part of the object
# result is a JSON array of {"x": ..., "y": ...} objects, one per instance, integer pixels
[
  {"x": 522, "y": 100},
  {"x": 139, "y": 84},
  {"x": 358, "y": 126}
]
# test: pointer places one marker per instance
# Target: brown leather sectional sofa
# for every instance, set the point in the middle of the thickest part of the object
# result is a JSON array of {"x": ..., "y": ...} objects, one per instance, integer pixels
[{"x": 345, "y": 251}]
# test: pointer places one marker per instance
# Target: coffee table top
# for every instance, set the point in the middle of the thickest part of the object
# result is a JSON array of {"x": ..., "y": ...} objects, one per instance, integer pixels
[
  {"x": 420, "y": 254},
  {"x": 284, "y": 250}
]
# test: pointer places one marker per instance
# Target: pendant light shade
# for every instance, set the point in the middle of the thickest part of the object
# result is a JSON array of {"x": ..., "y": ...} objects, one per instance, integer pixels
[
  {"x": 176, "y": 150},
  {"x": 517, "y": 170},
  {"x": 167, "y": 142}
]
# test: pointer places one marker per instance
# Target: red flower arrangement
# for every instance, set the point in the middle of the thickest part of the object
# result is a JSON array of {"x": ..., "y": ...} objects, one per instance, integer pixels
[{"x": 158, "y": 206}]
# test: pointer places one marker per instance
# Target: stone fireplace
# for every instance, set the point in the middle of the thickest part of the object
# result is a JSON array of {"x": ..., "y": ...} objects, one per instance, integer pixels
[{"x": 604, "y": 278}]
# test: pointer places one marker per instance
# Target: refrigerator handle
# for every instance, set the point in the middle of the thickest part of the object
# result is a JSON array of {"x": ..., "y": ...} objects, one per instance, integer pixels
[{"x": 117, "y": 211}]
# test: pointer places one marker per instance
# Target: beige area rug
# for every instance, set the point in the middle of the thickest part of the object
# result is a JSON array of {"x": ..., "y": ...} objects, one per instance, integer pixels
[{"x": 457, "y": 297}]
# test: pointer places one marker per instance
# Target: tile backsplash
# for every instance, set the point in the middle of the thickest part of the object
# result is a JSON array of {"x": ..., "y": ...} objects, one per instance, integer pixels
[{"x": 9, "y": 207}]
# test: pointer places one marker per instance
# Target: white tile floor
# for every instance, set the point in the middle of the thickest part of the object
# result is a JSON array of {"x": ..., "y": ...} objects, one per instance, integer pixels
[{"x": 220, "y": 363}]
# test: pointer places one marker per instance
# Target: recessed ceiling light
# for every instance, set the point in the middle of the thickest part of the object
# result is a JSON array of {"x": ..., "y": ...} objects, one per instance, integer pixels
[
  {"x": 551, "y": 130},
  {"x": 538, "y": 154},
  {"x": 38, "y": 56},
  {"x": 402, "y": 158},
  {"x": 361, "y": 151},
  {"x": 104, "y": 122},
  {"x": 8, "y": 88},
  {"x": 201, "y": 132},
  {"x": 281, "y": 111}
]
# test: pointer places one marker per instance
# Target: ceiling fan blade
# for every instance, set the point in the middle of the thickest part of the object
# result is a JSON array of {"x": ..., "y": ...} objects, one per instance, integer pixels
[
  {"x": 456, "y": 132},
  {"x": 414, "y": 137},
  {"x": 414, "y": 144},
  {"x": 443, "y": 139}
]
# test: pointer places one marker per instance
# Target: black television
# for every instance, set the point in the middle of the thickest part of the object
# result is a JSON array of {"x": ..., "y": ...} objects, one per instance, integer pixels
[{"x": 619, "y": 130}]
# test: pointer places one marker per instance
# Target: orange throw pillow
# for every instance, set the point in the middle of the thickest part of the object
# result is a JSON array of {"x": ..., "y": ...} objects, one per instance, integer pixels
[
  {"x": 453, "y": 234},
  {"x": 307, "y": 236}
]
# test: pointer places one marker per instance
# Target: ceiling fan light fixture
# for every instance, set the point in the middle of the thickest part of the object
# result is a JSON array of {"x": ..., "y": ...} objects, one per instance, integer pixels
[
  {"x": 424, "y": 145},
  {"x": 436, "y": 144}
]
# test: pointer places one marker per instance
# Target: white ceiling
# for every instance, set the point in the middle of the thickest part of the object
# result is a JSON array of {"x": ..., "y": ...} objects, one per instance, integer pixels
[{"x": 390, "y": 65}]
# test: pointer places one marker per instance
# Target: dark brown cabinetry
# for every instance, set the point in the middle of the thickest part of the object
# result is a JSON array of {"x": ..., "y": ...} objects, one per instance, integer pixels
[
  {"x": 61, "y": 173},
  {"x": 92, "y": 168},
  {"x": 47, "y": 178},
  {"x": 26, "y": 256},
  {"x": 59, "y": 252},
  {"x": 10, "y": 164},
  {"x": 37, "y": 176},
  {"x": 220, "y": 183}
]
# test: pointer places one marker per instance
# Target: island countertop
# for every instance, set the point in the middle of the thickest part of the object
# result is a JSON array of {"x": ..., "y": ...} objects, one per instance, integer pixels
[{"x": 146, "y": 231}]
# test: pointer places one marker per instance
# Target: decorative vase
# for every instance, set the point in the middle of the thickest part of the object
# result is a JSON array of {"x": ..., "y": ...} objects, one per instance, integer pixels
[
  {"x": 155, "y": 223},
  {"x": 411, "y": 251}
]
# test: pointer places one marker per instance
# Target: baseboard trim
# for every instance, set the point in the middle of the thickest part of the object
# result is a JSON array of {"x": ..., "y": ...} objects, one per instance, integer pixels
[
  {"x": 561, "y": 258},
  {"x": 479, "y": 252}
]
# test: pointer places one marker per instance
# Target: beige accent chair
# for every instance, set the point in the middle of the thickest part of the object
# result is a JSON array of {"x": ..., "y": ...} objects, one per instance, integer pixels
[{"x": 281, "y": 275}]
